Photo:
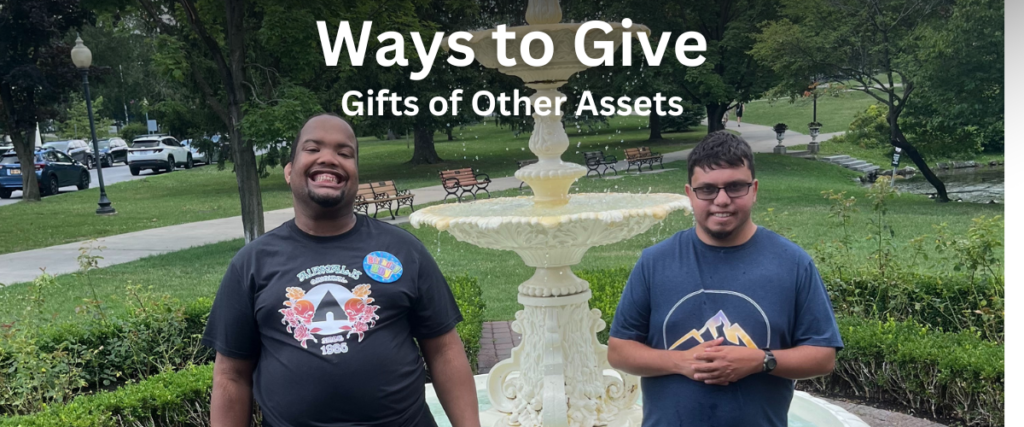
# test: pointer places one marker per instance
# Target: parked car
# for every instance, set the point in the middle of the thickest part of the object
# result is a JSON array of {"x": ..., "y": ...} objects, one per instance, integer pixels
[
  {"x": 78, "y": 149},
  {"x": 157, "y": 152},
  {"x": 113, "y": 150},
  {"x": 197, "y": 156},
  {"x": 4, "y": 149},
  {"x": 54, "y": 169}
]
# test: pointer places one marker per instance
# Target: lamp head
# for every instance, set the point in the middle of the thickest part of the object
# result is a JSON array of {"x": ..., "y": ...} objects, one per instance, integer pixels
[{"x": 81, "y": 55}]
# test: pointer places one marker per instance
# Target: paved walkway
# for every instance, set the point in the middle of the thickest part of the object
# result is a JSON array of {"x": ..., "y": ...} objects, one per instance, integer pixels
[
  {"x": 24, "y": 266},
  {"x": 497, "y": 341}
]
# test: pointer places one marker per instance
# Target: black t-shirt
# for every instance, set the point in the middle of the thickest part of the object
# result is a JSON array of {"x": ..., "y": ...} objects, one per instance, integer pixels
[{"x": 331, "y": 322}]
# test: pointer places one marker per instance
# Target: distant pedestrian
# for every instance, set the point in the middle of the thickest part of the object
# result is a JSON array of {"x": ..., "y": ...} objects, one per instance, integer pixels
[{"x": 739, "y": 115}]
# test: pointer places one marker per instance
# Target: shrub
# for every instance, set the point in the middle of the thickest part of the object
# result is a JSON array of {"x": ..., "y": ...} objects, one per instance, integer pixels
[
  {"x": 950, "y": 303},
  {"x": 946, "y": 375},
  {"x": 132, "y": 130},
  {"x": 169, "y": 399},
  {"x": 153, "y": 335},
  {"x": 469, "y": 296},
  {"x": 51, "y": 364},
  {"x": 606, "y": 287}
]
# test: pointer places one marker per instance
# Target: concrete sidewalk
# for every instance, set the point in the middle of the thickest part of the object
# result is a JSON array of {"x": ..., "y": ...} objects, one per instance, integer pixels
[{"x": 24, "y": 266}]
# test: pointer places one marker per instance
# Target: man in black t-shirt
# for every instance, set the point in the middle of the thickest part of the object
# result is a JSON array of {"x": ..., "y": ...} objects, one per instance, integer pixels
[{"x": 320, "y": 318}]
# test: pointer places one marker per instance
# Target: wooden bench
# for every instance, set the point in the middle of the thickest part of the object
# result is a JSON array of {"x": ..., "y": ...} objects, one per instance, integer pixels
[
  {"x": 597, "y": 159},
  {"x": 387, "y": 193},
  {"x": 364, "y": 198},
  {"x": 522, "y": 164},
  {"x": 383, "y": 195},
  {"x": 642, "y": 156},
  {"x": 458, "y": 182}
]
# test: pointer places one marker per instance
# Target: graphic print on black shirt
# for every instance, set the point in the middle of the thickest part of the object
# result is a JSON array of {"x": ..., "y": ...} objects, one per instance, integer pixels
[{"x": 329, "y": 309}]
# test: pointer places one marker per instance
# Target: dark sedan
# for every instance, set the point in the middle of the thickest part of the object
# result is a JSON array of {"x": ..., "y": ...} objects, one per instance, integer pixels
[
  {"x": 113, "y": 150},
  {"x": 53, "y": 169}
]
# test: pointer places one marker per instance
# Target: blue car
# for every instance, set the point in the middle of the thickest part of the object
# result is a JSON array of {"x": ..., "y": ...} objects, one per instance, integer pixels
[{"x": 53, "y": 169}]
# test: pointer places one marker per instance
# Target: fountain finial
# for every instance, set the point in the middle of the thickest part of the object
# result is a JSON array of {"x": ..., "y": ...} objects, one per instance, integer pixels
[{"x": 540, "y": 12}]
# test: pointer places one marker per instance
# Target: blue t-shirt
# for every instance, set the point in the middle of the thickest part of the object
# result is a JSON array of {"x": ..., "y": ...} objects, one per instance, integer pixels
[{"x": 765, "y": 293}]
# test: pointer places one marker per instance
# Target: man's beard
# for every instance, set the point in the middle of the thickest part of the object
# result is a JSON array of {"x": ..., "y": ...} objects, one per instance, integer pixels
[
  {"x": 326, "y": 201},
  {"x": 723, "y": 234},
  {"x": 717, "y": 235}
]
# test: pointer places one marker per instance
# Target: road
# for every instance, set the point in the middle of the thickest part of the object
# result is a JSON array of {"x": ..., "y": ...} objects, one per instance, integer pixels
[{"x": 111, "y": 175}]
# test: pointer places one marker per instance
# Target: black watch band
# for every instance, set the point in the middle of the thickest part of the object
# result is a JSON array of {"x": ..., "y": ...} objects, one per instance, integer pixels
[{"x": 769, "y": 362}]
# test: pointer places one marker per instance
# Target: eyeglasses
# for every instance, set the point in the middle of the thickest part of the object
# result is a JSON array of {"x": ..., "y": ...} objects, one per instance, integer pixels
[{"x": 733, "y": 190}]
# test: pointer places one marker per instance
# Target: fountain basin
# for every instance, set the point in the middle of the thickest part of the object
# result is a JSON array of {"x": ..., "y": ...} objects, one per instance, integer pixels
[
  {"x": 804, "y": 411},
  {"x": 551, "y": 236}
]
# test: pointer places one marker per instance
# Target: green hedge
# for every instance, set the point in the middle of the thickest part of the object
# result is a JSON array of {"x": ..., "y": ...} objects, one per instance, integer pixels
[
  {"x": 51, "y": 365},
  {"x": 606, "y": 286},
  {"x": 946, "y": 375},
  {"x": 951, "y": 302},
  {"x": 956, "y": 376},
  {"x": 469, "y": 296},
  {"x": 179, "y": 398}
]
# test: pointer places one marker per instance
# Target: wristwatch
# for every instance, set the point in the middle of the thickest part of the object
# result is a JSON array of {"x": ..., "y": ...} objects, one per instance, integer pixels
[{"x": 769, "y": 361}]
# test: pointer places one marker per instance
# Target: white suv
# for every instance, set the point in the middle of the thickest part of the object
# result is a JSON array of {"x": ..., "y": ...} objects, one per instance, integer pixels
[{"x": 157, "y": 152}]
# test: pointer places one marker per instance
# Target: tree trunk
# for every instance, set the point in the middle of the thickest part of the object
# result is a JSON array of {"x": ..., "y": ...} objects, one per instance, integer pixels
[
  {"x": 24, "y": 144},
  {"x": 423, "y": 152},
  {"x": 900, "y": 141},
  {"x": 715, "y": 114},
  {"x": 246, "y": 168},
  {"x": 655, "y": 123},
  {"x": 448, "y": 130},
  {"x": 248, "y": 180}
]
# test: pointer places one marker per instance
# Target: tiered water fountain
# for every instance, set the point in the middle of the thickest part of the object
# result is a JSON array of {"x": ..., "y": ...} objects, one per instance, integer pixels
[{"x": 559, "y": 375}]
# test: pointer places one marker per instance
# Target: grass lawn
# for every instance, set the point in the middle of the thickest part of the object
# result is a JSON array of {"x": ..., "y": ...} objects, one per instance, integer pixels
[
  {"x": 789, "y": 185},
  {"x": 834, "y": 113},
  {"x": 205, "y": 193}
]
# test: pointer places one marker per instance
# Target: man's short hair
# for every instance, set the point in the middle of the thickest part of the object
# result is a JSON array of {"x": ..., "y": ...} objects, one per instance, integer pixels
[
  {"x": 720, "y": 149},
  {"x": 298, "y": 134}
]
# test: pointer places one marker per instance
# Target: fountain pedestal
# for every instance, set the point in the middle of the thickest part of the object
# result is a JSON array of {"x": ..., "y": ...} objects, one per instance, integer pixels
[{"x": 559, "y": 374}]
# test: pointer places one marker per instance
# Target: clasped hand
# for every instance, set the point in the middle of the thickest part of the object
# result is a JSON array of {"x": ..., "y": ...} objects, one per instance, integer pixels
[{"x": 716, "y": 364}]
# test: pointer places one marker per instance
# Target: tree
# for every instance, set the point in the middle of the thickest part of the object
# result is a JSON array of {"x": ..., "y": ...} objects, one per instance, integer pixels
[
  {"x": 729, "y": 75},
  {"x": 76, "y": 121},
  {"x": 959, "y": 102},
  {"x": 227, "y": 51},
  {"x": 871, "y": 42},
  {"x": 35, "y": 70}
]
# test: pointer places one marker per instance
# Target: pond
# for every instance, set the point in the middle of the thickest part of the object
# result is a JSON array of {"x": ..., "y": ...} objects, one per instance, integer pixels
[{"x": 973, "y": 185}]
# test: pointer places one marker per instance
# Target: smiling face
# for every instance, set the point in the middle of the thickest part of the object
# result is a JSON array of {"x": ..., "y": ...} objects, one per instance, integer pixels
[
  {"x": 724, "y": 220},
  {"x": 323, "y": 172}
]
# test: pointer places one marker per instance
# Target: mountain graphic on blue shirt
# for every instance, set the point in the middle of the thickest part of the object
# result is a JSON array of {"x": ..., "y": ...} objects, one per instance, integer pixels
[{"x": 733, "y": 332}]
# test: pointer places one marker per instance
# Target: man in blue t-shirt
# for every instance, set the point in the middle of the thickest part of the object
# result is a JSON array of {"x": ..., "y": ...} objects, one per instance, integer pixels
[{"x": 720, "y": 319}]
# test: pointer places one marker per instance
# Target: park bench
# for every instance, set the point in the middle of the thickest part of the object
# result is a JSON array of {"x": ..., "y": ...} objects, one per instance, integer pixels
[
  {"x": 383, "y": 195},
  {"x": 596, "y": 160},
  {"x": 386, "y": 193},
  {"x": 458, "y": 182},
  {"x": 642, "y": 156},
  {"x": 364, "y": 198},
  {"x": 522, "y": 164}
]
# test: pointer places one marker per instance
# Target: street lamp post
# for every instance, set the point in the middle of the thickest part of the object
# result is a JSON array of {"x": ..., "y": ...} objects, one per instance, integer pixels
[{"x": 82, "y": 58}]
